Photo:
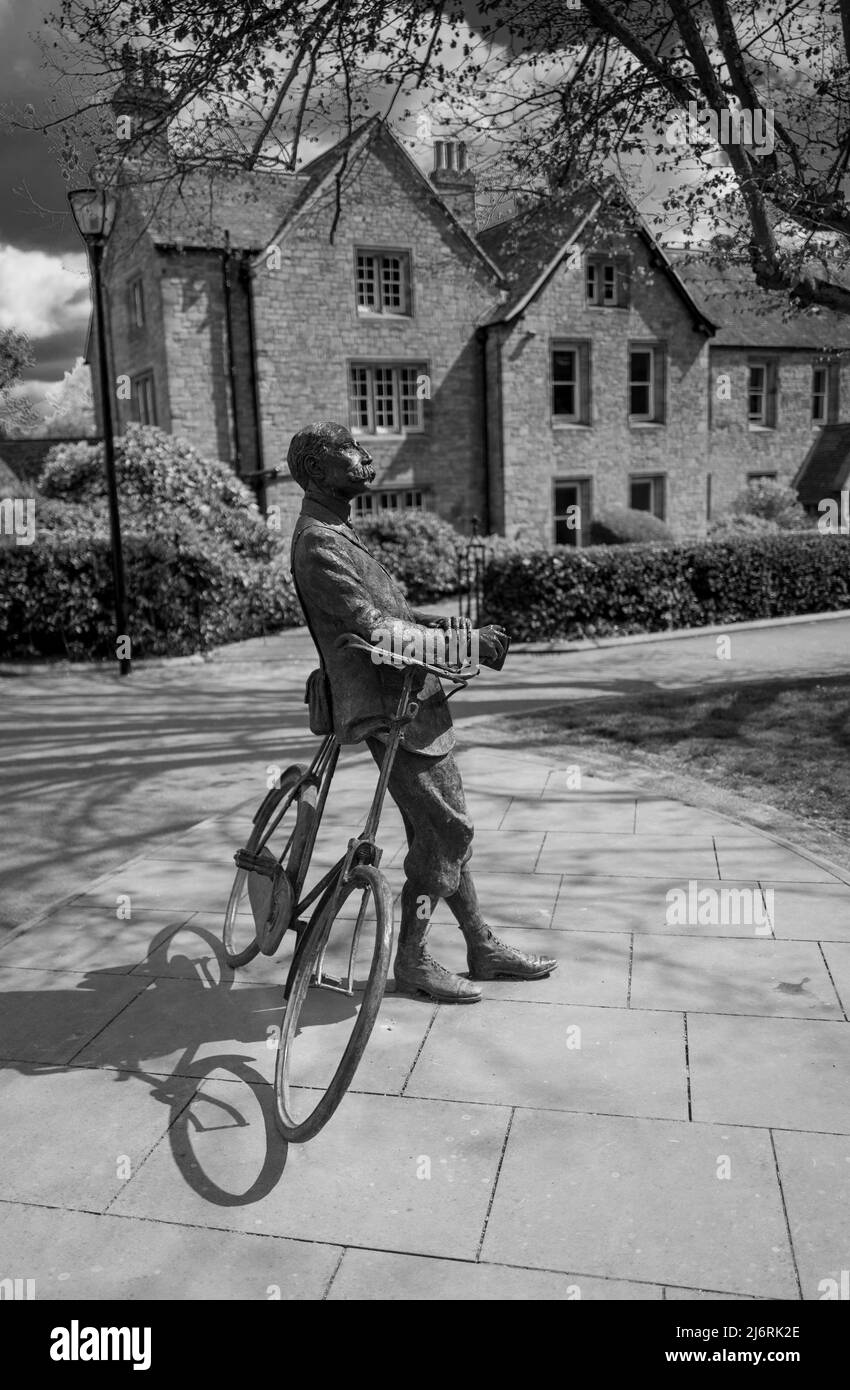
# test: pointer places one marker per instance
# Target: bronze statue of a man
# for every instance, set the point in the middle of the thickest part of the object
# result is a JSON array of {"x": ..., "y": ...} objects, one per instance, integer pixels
[{"x": 345, "y": 589}]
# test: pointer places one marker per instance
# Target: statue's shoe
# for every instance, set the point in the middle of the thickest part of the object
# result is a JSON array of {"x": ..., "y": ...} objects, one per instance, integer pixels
[
  {"x": 423, "y": 975},
  {"x": 491, "y": 959}
]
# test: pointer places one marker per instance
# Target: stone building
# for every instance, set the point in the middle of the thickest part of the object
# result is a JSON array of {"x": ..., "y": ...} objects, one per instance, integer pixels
[{"x": 528, "y": 374}]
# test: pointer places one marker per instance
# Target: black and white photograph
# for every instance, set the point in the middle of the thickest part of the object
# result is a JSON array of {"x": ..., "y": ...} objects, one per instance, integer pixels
[{"x": 425, "y": 666}]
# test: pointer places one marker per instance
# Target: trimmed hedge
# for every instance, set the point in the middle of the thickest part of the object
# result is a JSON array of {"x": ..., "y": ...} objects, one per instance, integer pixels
[
  {"x": 652, "y": 588},
  {"x": 419, "y": 549},
  {"x": 625, "y": 526},
  {"x": 56, "y": 598},
  {"x": 202, "y": 567}
]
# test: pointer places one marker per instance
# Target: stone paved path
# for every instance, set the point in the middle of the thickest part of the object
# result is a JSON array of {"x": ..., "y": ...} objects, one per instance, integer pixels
[{"x": 666, "y": 1116}]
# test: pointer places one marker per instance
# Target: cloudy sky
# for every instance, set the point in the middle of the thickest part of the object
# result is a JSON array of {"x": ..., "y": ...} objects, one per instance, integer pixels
[{"x": 43, "y": 279}]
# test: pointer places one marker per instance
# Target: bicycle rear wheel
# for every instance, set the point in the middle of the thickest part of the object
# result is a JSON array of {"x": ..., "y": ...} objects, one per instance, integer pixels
[
  {"x": 282, "y": 829},
  {"x": 325, "y": 1029}
]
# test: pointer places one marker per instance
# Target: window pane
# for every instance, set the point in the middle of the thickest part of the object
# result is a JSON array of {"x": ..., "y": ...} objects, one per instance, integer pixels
[
  {"x": 639, "y": 400},
  {"x": 756, "y": 395},
  {"x": 641, "y": 495},
  {"x": 566, "y": 495},
  {"x": 411, "y": 406},
  {"x": 641, "y": 366},
  {"x": 640, "y": 382},
  {"x": 608, "y": 283},
  {"x": 819, "y": 388},
  {"x": 366, "y": 290},
  {"x": 391, "y": 282},
  {"x": 564, "y": 381},
  {"x": 359, "y": 398},
  {"x": 384, "y": 399},
  {"x": 591, "y": 282}
]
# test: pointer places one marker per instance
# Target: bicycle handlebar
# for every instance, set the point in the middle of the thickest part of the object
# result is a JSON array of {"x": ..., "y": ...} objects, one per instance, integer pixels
[{"x": 460, "y": 674}]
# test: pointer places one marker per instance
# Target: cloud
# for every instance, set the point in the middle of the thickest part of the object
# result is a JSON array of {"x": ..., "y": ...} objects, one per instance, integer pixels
[{"x": 42, "y": 294}]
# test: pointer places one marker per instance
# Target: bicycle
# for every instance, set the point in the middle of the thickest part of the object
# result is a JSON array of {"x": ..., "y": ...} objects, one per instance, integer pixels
[{"x": 272, "y": 870}]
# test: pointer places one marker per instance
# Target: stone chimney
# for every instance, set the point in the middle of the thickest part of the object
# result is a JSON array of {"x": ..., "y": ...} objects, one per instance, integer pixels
[
  {"x": 141, "y": 105},
  {"x": 454, "y": 181}
]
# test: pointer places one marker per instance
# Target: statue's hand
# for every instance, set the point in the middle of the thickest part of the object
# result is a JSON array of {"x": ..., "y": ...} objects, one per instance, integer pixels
[{"x": 493, "y": 644}]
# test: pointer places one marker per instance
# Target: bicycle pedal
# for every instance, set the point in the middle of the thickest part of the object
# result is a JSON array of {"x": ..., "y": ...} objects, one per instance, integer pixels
[{"x": 331, "y": 985}]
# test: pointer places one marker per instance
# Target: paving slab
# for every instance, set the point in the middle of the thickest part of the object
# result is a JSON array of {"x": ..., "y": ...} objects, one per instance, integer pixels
[
  {"x": 48, "y": 1015},
  {"x": 785, "y": 978},
  {"x": 810, "y": 914},
  {"x": 510, "y": 899},
  {"x": 188, "y": 885},
  {"x": 178, "y": 1027},
  {"x": 643, "y": 905},
  {"x": 642, "y": 1199},
  {"x": 837, "y": 956},
  {"x": 92, "y": 938},
  {"x": 494, "y": 851},
  {"x": 487, "y": 812},
  {"x": 815, "y": 1174},
  {"x": 373, "y": 1275},
  {"x": 662, "y": 816},
  {"x": 503, "y": 778},
  {"x": 738, "y": 857},
  {"x": 614, "y": 1061},
  {"x": 73, "y": 1138},
  {"x": 356, "y": 1183},
  {"x": 633, "y": 856},
  {"x": 786, "y": 1072},
  {"x": 78, "y": 1255},
  {"x": 571, "y": 813}
]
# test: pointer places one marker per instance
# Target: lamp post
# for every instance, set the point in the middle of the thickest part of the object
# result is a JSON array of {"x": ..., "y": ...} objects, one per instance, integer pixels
[{"x": 94, "y": 214}]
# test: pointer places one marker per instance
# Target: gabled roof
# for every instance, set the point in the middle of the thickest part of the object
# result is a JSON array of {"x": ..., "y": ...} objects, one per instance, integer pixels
[
  {"x": 826, "y": 467},
  {"x": 530, "y": 246},
  {"x": 197, "y": 208},
  {"x": 748, "y": 316},
  {"x": 318, "y": 174}
]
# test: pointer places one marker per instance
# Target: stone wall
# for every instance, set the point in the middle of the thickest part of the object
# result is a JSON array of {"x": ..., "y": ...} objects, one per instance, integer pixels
[
  {"x": 309, "y": 331},
  {"x": 607, "y": 449},
  {"x": 737, "y": 449}
]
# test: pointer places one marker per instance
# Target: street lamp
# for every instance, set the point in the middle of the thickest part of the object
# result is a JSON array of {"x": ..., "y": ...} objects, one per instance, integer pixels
[{"x": 94, "y": 213}]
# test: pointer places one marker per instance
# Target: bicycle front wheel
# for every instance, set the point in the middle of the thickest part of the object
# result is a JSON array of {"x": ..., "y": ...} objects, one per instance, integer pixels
[{"x": 332, "y": 1001}]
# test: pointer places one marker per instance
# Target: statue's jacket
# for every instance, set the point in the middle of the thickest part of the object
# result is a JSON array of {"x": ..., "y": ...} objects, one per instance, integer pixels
[{"x": 345, "y": 589}]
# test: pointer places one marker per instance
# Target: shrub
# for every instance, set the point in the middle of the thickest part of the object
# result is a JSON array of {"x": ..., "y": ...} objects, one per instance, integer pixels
[
  {"x": 420, "y": 551},
  {"x": 772, "y": 501},
  {"x": 598, "y": 592},
  {"x": 56, "y": 597},
  {"x": 183, "y": 516},
  {"x": 624, "y": 526},
  {"x": 165, "y": 486},
  {"x": 740, "y": 524}
]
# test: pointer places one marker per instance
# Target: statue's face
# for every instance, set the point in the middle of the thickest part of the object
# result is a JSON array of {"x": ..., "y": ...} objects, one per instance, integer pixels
[{"x": 344, "y": 468}]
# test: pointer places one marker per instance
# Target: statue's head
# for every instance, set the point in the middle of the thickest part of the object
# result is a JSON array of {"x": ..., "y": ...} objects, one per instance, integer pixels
[{"x": 326, "y": 458}]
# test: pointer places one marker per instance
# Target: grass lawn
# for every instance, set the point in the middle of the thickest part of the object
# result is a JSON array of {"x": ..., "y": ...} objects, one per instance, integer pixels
[{"x": 775, "y": 753}]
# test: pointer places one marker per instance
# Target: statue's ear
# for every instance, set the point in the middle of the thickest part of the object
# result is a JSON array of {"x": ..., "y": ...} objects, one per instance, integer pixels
[{"x": 313, "y": 468}]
